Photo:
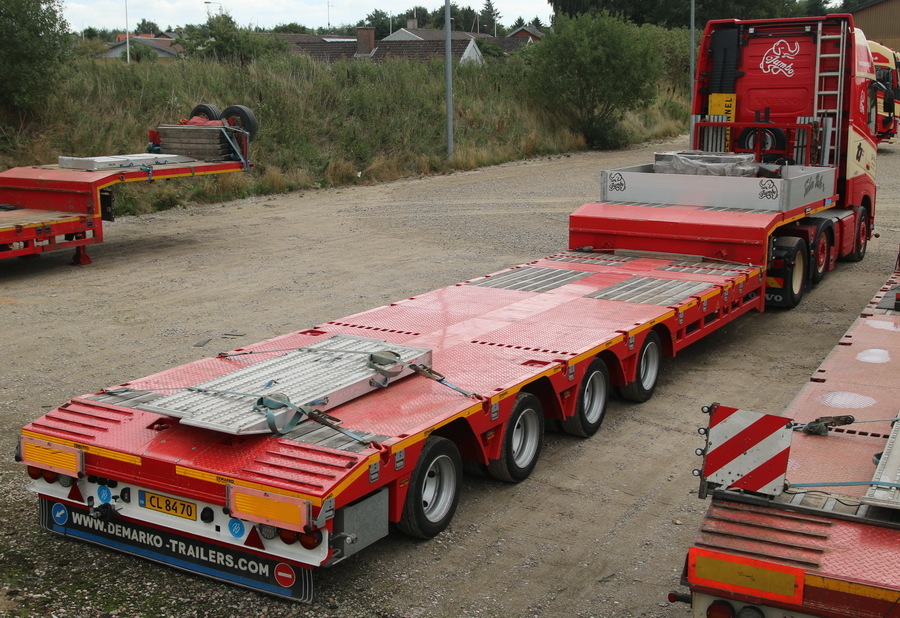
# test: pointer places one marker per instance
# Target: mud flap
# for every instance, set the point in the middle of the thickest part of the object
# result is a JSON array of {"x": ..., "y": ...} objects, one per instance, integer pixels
[{"x": 222, "y": 562}]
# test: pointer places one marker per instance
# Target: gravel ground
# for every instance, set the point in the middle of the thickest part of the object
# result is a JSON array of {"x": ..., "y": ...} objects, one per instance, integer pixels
[{"x": 600, "y": 529}]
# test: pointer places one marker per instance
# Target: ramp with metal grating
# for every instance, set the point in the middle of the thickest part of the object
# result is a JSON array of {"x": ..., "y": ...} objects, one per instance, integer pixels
[
  {"x": 651, "y": 291},
  {"x": 707, "y": 268},
  {"x": 586, "y": 257},
  {"x": 531, "y": 279},
  {"x": 324, "y": 375}
]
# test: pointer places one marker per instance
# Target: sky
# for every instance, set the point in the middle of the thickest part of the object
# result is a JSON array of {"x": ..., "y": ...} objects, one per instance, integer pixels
[{"x": 110, "y": 14}]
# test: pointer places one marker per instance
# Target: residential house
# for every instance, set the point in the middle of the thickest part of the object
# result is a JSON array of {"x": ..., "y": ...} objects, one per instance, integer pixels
[{"x": 463, "y": 49}]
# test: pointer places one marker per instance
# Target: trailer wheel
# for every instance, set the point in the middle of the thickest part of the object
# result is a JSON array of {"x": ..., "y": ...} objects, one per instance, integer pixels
[
  {"x": 522, "y": 440},
  {"x": 591, "y": 405},
  {"x": 820, "y": 256},
  {"x": 795, "y": 265},
  {"x": 206, "y": 111},
  {"x": 433, "y": 490},
  {"x": 242, "y": 118},
  {"x": 647, "y": 370},
  {"x": 862, "y": 236}
]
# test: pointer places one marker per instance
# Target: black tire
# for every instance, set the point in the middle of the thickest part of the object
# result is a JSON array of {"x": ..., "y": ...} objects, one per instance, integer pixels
[
  {"x": 775, "y": 139},
  {"x": 474, "y": 468},
  {"x": 819, "y": 256},
  {"x": 795, "y": 261},
  {"x": 206, "y": 111},
  {"x": 862, "y": 236},
  {"x": 433, "y": 490},
  {"x": 647, "y": 373},
  {"x": 523, "y": 437},
  {"x": 242, "y": 118},
  {"x": 593, "y": 395}
]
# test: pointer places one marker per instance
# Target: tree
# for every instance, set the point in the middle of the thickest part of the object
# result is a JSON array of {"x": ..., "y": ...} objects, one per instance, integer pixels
[
  {"x": 489, "y": 17},
  {"x": 139, "y": 52},
  {"x": 90, "y": 48},
  {"x": 537, "y": 23},
  {"x": 146, "y": 27},
  {"x": 593, "y": 68},
  {"x": 228, "y": 42},
  {"x": 518, "y": 23},
  {"x": 34, "y": 43},
  {"x": 379, "y": 20},
  {"x": 676, "y": 13},
  {"x": 816, "y": 7},
  {"x": 291, "y": 28}
]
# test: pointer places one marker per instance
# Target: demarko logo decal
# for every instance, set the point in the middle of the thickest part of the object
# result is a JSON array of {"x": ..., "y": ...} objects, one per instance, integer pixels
[{"x": 775, "y": 60}]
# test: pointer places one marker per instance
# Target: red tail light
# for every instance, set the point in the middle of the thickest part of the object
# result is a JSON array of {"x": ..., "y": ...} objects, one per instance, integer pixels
[
  {"x": 310, "y": 540},
  {"x": 288, "y": 537},
  {"x": 49, "y": 476},
  {"x": 34, "y": 473},
  {"x": 720, "y": 609}
]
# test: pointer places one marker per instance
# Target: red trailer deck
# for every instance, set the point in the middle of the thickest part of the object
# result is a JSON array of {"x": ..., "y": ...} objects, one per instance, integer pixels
[
  {"x": 534, "y": 328},
  {"x": 828, "y": 542},
  {"x": 49, "y": 207}
]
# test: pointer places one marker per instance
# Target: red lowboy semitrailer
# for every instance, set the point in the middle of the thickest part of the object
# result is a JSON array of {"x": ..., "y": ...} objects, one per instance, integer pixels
[
  {"x": 805, "y": 512},
  {"x": 258, "y": 465}
]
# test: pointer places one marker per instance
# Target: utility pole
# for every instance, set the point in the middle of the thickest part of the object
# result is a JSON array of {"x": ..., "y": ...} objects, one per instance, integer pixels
[{"x": 448, "y": 69}]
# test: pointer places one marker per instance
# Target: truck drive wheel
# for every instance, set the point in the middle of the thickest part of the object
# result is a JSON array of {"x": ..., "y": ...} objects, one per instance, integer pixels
[
  {"x": 862, "y": 236},
  {"x": 522, "y": 440},
  {"x": 591, "y": 405},
  {"x": 647, "y": 370},
  {"x": 433, "y": 490},
  {"x": 795, "y": 265}
]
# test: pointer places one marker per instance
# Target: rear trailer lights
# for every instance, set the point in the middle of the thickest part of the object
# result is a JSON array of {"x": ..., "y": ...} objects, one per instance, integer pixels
[
  {"x": 720, "y": 609},
  {"x": 49, "y": 476},
  {"x": 34, "y": 473},
  {"x": 310, "y": 540},
  {"x": 750, "y": 612},
  {"x": 267, "y": 532},
  {"x": 288, "y": 537}
]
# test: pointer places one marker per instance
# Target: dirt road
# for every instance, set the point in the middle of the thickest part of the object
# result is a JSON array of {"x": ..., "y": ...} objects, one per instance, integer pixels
[{"x": 601, "y": 527}]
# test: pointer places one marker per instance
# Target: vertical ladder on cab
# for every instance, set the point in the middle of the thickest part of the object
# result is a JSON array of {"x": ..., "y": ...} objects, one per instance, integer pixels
[{"x": 831, "y": 78}]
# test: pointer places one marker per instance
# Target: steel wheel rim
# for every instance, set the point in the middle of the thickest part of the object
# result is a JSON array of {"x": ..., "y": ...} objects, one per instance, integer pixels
[
  {"x": 525, "y": 438},
  {"x": 863, "y": 234},
  {"x": 594, "y": 397},
  {"x": 438, "y": 488},
  {"x": 649, "y": 365}
]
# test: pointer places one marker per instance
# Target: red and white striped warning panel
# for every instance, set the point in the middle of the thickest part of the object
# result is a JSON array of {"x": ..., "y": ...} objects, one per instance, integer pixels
[{"x": 746, "y": 450}]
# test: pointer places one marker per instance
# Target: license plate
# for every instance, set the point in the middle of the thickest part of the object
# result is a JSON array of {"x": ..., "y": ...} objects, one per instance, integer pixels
[{"x": 164, "y": 504}]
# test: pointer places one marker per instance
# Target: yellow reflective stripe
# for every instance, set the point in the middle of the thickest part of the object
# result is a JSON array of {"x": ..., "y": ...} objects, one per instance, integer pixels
[
  {"x": 87, "y": 448},
  {"x": 845, "y": 587}
]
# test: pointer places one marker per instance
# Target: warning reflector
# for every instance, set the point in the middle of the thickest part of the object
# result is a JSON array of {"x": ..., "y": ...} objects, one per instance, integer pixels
[
  {"x": 268, "y": 508},
  {"x": 51, "y": 456},
  {"x": 758, "y": 578},
  {"x": 746, "y": 450}
]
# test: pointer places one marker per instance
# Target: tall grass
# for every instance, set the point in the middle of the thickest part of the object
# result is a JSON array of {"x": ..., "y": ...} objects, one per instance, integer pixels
[{"x": 319, "y": 125}]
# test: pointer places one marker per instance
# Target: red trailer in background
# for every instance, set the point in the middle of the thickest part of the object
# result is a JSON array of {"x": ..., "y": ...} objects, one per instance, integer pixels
[
  {"x": 258, "y": 465},
  {"x": 49, "y": 207},
  {"x": 805, "y": 512}
]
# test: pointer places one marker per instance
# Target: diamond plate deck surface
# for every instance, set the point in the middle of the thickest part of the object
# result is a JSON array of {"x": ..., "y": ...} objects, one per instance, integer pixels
[
  {"x": 859, "y": 378},
  {"x": 530, "y": 279},
  {"x": 652, "y": 291}
]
